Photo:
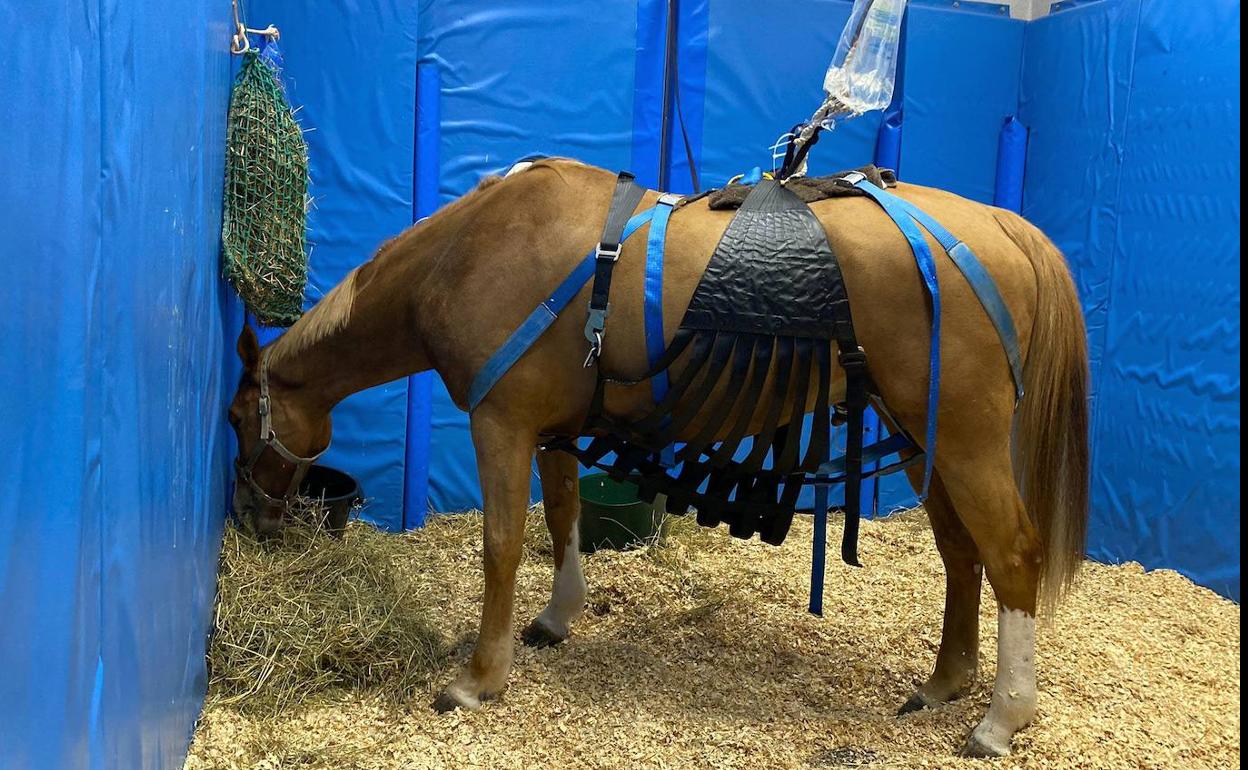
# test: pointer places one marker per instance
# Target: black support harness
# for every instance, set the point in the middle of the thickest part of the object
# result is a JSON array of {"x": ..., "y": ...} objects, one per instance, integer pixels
[{"x": 748, "y": 316}]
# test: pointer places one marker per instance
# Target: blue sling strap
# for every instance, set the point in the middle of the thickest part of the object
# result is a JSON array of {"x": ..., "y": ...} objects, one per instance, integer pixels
[
  {"x": 981, "y": 282},
  {"x": 927, "y": 268},
  {"x": 655, "y": 342},
  {"x": 655, "y": 245},
  {"x": 540, "y": 319}
]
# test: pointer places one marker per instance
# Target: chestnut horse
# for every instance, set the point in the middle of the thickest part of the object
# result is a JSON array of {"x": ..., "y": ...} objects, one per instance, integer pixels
[{"x": 1010, "y": 491}]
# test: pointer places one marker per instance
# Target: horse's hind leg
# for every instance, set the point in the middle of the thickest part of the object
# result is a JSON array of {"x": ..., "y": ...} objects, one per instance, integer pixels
[
  {"x": 987, "y": 501},
  {"x": 958, "y": 659},
  {"x": 562, "y": 504},
  {"x": 504, "y": 452}
]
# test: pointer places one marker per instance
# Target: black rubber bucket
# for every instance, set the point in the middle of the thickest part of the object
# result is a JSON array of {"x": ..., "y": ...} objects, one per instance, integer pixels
[
  {"x": 337, "y": 490},
  {"x": 614, "y": 516}
]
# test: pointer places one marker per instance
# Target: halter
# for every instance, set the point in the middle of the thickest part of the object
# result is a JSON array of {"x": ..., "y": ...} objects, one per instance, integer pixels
[{"x": 269, "y": 440}]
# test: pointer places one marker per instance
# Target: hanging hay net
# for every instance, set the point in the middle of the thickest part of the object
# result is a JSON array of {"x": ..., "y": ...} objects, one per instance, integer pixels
[{"x": 266, "y": 186}]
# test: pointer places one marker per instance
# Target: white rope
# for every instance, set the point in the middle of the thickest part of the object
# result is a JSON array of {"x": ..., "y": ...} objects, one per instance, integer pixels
[{"x": 240, "y": 43}]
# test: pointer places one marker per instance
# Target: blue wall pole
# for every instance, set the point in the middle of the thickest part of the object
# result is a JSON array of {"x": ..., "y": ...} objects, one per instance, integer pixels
[{"x": 427, "y": 174}]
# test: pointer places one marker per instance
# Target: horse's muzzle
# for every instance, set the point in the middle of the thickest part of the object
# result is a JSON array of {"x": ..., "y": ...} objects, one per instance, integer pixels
[{"x": 257, "y": 515}]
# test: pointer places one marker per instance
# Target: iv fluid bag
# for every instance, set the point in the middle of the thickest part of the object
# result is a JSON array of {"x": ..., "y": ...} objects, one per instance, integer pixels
[{"x": 864, "y": 68}]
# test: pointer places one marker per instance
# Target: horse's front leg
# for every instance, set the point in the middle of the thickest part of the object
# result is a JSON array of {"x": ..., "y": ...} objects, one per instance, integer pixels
[
  {"x": 504, "y": 453},
  {"x": 562, "y": 503}
]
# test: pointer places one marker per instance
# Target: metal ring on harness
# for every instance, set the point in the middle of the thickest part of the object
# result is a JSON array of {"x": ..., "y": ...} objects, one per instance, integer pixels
[{"x": 269, "y": 440}]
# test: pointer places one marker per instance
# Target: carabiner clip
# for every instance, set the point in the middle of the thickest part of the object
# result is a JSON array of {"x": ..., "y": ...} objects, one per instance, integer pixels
[{"x": 595, "y": 350}]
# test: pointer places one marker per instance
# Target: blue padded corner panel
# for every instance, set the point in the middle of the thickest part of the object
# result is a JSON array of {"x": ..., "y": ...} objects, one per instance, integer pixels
[
  {"x": 351, "y": 71},
  {"x": 763, "y": 73},
  {"x": 114, "y": 468},
  {"x": 962, "y": 81},
  {"x": 523, "y": 77},
  {"x": 1166, "y": 478}
]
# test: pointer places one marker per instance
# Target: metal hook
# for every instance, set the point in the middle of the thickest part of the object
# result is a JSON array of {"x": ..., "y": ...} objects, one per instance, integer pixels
[{"x": 239, "y": 42}]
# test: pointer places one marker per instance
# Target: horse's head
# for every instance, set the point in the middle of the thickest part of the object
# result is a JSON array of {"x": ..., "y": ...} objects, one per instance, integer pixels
[{"x": 278, "y": 440}]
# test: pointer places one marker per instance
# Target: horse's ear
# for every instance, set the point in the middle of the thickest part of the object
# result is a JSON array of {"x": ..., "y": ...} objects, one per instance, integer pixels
[{"x": 248, "y": 348}]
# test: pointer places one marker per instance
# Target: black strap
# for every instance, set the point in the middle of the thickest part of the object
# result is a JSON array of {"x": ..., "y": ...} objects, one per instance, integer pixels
[
  {"x": 719, "y": 413},
  {"x": 623, "y": 201},
  {"x": 854, "y": 362},
  {"x": 818, "y": 453},
  {"x": 753, "y": 462},
  {"x": 764, "y": 351}
]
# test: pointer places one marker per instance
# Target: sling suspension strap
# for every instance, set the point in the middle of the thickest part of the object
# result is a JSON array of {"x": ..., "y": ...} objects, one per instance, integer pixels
[
  {"x": 927, "y": 269},
  {"x": 625, "y": 198},
  {"x": 653, "y": 304},
  {"x": 981, "y": 282}
]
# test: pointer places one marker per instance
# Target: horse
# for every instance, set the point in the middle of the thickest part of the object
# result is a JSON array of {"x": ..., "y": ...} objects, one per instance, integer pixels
[{"x": 1008, "y": 497}]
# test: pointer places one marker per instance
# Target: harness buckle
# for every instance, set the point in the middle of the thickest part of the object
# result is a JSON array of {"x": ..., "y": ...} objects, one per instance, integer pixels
[
  {"x": 608, "y": 252},
  {"x": 853, "y": 359},
  {"x": 670, "y": 199}
]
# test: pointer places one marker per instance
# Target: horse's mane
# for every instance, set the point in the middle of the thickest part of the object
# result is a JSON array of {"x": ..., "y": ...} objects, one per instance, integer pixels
[
  {"x": 333, "y": 311},
  {"x": 326, "y": 317}
]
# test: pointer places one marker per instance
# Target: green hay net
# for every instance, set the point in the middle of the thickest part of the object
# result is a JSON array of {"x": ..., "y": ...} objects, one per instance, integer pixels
[{"x": 266, "y": 185}]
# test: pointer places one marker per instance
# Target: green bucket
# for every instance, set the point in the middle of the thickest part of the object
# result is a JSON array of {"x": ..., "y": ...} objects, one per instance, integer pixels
[{"x": 614, "y": 516}]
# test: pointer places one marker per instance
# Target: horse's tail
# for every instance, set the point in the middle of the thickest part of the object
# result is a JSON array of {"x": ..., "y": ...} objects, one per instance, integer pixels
[{"x": 1051, "y": 439}]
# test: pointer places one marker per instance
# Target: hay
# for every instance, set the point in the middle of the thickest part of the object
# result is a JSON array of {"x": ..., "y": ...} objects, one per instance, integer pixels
[
  {"x": 699, "y": 654},
  {"x": 304, "y": 612}
]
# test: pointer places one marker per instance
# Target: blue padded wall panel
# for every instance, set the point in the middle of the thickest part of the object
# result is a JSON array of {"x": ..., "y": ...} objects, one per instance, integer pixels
[
  {"x": 49, "y": 507},
  {"x": 962, "y": 81},
  {"x": 163, "y": 452},
  {"x": 1141, "y": 192},
  {"x": 114, "y": 473},
  {"x": 760, "y": 78},
  {"x": 522, "y": 77},
  {"x": 1166, "y": 479},
  {"x": 351, "y": 70}
]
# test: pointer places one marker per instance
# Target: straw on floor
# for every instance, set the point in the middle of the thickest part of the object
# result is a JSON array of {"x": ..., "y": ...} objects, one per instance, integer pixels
[{"x": 699, "y": 654}]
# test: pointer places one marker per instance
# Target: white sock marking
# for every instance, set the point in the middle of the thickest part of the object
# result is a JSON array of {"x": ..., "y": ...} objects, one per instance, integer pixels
[
  {"x": 1014, "y": 692},
  {"x": 567, "y": 598}
]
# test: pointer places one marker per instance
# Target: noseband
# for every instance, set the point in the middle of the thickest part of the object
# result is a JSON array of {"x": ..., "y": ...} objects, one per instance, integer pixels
[{"x": 269, "y": 440}]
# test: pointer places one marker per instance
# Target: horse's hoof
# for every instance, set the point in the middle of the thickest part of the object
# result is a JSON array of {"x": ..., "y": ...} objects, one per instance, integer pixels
[
  {"x": 917, "y": 702},
  {"x": 449, "y": 700},
  {"x": 539, "y": 636},
  {"x": 983, "y": 745}
]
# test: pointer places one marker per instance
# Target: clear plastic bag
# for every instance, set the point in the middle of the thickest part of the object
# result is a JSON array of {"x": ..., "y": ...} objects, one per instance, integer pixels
[{"x": 864, "y": 69}]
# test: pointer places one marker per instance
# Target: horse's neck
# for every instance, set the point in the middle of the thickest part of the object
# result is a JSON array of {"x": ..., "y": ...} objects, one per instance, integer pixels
[
  {"x": 375, "y": 343},
  {"x": 426, "y": 297}
]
